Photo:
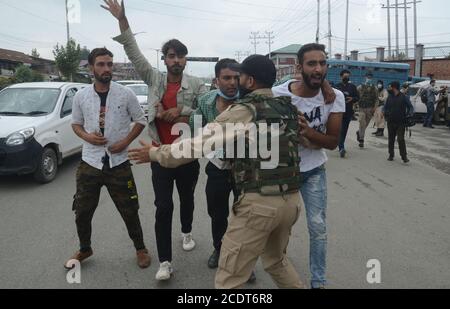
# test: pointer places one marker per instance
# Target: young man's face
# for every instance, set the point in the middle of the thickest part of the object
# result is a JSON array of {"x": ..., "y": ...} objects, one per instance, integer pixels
[
  {"x": 175, "y": 63},
  {"x": 228, "y": 82},
  {"x": 345, "y": 77},
  {"x": 102, "y": 69},
  {"x": 314, "y": 69}
]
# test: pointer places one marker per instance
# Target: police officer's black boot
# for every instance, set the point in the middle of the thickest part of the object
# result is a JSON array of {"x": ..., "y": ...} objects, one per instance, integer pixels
[{"x": 213, "y": 261}]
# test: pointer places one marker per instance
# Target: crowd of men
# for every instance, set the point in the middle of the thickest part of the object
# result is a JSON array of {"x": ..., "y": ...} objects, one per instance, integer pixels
[{"x": 313, "y": 117}]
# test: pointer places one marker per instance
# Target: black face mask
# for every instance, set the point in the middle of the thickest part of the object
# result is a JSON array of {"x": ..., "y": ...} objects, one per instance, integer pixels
[
  {"x": 345, "y": 80},
  {"x": 244, "y": 91},
  {"x": 391, "y": 92}
]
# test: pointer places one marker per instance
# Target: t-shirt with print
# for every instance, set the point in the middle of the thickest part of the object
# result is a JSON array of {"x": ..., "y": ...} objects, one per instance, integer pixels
[
  {"x": 317, "y": 114},
  {"x": 103, "y": 96},
  {"x": 102, "y": 119},
  {"x": 169, "y": 101}
]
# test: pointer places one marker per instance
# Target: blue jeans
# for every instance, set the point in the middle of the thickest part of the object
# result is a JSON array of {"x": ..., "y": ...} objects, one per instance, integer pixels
[
  {"x": 430, "y": 113},
  {"x": 314, "y": 193},
  {"x": 344, "y": 131}
]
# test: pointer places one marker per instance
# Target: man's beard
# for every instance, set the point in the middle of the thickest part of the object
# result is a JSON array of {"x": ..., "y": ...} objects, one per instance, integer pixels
[
  {"x": 243, "y": 92},
  {"x": 104, "y": 79},
  {"x": 308, "y": 81},
  {"x": 176, "y": 69}
]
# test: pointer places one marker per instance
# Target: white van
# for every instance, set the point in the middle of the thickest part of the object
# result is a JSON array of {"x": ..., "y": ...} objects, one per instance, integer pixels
[
  {"x": 415, "y": 91},
  {"x": 35, "y": 128}
]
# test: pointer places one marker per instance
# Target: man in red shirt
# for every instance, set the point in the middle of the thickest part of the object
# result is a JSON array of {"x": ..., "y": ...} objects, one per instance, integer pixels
[{"x": 171, "y": 96}]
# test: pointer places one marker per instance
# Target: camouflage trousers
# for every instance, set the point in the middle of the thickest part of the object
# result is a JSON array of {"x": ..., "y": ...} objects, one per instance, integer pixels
[{"x": 121, "y": 187}]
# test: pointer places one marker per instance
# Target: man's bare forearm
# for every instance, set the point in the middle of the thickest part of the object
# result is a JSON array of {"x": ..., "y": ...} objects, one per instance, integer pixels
[
  {"x": 135, "y": 132},
  {"x": 79, "y": 131},
  {"x": 124, "y": 25}
]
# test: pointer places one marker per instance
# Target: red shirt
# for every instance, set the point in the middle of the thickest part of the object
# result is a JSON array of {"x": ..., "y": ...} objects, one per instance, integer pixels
[{"x": 169, "y": 101}]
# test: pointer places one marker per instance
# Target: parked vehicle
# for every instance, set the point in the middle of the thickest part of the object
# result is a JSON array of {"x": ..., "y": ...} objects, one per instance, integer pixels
[
  {"x": 35, "y": 128},
  {"x": 141, "y": 91},
  {"x": 129, "y": 82},
  {"x": 415, "y": 92}
]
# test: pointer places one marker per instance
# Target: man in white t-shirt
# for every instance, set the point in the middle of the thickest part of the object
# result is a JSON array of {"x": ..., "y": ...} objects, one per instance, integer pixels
[{"x": 320, "y": 124}]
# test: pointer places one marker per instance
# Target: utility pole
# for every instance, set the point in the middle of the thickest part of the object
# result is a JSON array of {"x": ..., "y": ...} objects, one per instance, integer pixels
[
  {"x": 240, "y": 55},
  {"x": 389, "y": 28},
  {"x": 329, "y": 28},
  {"x": 397, "y": 41},
  {"x": 346, "y": 32},
  {"x": 406, "y": 30},
  {"x": 67, "y": 22},
  {"x": 404, "y": 6},
  {"x": 318, "y": 21},
  {"x": 269, "y": 36},
  {"x": 415, "y": 27},
  {"x": 254, "y": 37}
]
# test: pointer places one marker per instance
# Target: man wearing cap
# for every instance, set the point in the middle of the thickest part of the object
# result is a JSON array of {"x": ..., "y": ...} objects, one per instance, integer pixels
[{"x": 269, "y": 204}]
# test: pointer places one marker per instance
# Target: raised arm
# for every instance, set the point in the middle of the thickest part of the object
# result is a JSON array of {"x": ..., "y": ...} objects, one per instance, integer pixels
[{"x": 127, "y": 39}]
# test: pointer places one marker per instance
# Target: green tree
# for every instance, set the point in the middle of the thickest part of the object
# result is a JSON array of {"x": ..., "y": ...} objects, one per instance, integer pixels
[
  {"x": 26, "y": 75},
  {"x": 23, "y": 74},
  {"x": 68, "y": 58},
  {"x": 402, "y": 56},
  {"x": 34, "y": 53},
  {"x": 37, "y": 77},
  {"x": 85, "y": 53}
]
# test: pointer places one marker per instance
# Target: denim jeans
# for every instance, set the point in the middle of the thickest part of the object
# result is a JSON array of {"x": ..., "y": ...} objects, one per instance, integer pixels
[
  {"x": 428, "y": 122},
  {"x": 314, "y": 193}
]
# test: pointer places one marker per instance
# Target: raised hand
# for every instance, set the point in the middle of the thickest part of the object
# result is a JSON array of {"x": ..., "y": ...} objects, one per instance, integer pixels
[{"x": 116, "y": 9}]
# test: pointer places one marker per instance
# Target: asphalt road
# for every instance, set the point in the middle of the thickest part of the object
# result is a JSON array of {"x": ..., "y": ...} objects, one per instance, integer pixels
[{"x": 396, "y": 213}]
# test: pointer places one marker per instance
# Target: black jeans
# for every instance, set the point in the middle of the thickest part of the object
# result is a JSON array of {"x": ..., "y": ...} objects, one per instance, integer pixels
[
  {"x": 344, "y": 130},
  {"x": 397, "y": 130},
  {"x": 185, "y": 177},
  {"x": 218, "y": 189}
]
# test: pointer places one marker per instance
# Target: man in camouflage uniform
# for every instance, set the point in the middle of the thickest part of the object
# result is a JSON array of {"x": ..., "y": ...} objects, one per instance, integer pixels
[
  {"x": 102, "y": 115},
  {"x": 269, "y": 206},
  {"x": 368, "y": 102}
]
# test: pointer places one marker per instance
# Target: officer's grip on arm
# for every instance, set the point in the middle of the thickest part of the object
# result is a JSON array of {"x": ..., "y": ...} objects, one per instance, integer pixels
[{"x": 235, "y": 114}]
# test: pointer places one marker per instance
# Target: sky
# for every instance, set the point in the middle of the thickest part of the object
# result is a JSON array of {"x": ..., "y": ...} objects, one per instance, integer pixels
[{"x": 215, "y": 28}]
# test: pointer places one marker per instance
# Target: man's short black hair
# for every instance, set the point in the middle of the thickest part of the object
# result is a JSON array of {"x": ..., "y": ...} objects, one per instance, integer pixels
[
  {"x": 97, "y": 53},
  {"x": 395, "y": 85},
  {"x": 369, "y": 74},
  {"x": 308, "y": 48},
  {"x": 345, "y": 72},
  {"x": 179, "y": 48},
  {"x": 380, "y": 82},
  {"x": 224, "y": 64}
]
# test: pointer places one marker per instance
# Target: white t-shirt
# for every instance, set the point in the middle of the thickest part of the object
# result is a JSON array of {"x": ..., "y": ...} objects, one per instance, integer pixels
[{"x": 317, "y": 114}]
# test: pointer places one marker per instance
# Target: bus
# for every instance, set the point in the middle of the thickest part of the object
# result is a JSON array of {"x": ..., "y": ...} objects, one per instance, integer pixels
[{"x": 385, "y": 71}]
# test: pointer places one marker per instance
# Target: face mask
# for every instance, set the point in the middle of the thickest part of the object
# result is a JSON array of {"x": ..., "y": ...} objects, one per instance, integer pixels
[
  {"x": 345, "y": 80},
  {"x": 223, "y": 95},
  {"x": 380, "y": 86},
  {"x": 391, "y": 92}
]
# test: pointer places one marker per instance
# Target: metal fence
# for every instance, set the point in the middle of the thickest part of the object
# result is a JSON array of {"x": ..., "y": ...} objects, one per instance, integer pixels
[{"x": 429, "y": 53}]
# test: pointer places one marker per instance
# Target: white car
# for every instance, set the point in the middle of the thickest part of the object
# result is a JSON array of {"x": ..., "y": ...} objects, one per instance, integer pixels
[
  {"x": 35, "y": 128},
  {"x": 129, "y": 82},
  {"x": 141, "y": 91},
  {"x": 415, "y": 91}
]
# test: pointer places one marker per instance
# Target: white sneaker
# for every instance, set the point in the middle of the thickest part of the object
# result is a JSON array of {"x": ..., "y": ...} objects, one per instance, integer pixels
[
  {"x": 188, "y": 242},
  {"x": 165, "y": 271}
]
